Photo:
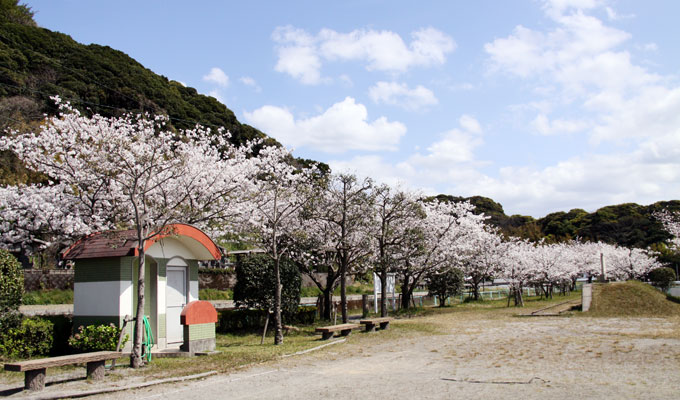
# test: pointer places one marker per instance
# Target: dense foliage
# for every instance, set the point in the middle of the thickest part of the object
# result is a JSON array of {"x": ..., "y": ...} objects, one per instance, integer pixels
[
  {"x": 11, "y": 290},
  {"x": 255, "y": 283},
  {"x": 33, "y": 337},
  {"x": 96, "y": 338},
  {"x": 446, "y": 283},
  {"x": 662, "y": 277}
]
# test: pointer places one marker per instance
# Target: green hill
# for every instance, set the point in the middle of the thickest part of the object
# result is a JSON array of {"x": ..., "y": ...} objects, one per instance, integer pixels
[{"x": 36, "y": 63}]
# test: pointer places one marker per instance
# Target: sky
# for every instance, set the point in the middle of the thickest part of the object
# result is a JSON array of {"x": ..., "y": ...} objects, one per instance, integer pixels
[{"x": 542, "y": 106}]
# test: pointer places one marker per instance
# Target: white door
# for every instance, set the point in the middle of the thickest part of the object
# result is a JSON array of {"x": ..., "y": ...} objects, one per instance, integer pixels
[{"x": 175, "y": 300}]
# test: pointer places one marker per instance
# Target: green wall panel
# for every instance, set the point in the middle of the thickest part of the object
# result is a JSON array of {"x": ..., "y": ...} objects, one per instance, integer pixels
[
  {"x": 98, "y": 269},
  {"x": 201, "y": 331}
]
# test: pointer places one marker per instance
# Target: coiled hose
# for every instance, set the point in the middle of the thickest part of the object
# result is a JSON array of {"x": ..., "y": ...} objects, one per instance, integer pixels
[{"x": 148, "y": 342}]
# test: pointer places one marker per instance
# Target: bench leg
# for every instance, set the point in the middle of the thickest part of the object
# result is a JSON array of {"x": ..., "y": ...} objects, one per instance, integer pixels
[
  {"x": 96, "y": 370},
  {"x": 35, "y": 379},
  {"x": 384, "y": 325},
  {"x": 346, "y": 332},
  {"x": 326, "y": 335},
  {"x": 370, "y": 327}
]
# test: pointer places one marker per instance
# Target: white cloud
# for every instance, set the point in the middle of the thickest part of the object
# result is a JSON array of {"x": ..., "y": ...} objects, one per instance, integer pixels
[
  {"x": 397, "y": 94},
  {"x": 344, "y": 126},
  {"x": 583, "y": 57},
  {"x": 470, "y": 124},
  {"x": 248, "y": 81},
  {"x": 301, "y": 54},
  {"x": 217, "y": 76},
  {"x": 545, "y": 126},
  {"x": 645, "y": 175},
  {"x": 614, "y": 16}
]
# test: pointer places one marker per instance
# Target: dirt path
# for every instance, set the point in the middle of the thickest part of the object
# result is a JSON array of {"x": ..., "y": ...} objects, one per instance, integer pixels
[{"x": 531, "y": 358}]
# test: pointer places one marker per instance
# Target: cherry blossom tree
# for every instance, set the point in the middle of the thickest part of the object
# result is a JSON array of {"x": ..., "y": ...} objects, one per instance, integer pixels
[
  {"x": 312, "y": 253},
  {"x": 517, "y": 268},
  {"x": 344, "y": 208},
  {"x": 435, "y": 241},
  {"x": 127, "y": 172},
  {"x": 395, "y": 212},
  {"x": 280, "y": 193},
  {"x": 482, "y": 257}
]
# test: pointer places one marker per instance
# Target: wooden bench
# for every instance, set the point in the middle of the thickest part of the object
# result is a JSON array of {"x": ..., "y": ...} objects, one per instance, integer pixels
[
  {"x": 34, "y": 370},
  {"x": 328, "y": 331},
  {"x": 370, "y": 323}
]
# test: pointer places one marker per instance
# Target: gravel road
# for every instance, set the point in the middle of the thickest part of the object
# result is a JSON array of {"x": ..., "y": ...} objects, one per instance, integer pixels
[{"x": 469, "y": 357}]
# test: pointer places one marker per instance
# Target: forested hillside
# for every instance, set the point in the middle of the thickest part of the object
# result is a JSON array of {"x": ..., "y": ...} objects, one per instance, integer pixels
[{"x": 630, "y": 224}]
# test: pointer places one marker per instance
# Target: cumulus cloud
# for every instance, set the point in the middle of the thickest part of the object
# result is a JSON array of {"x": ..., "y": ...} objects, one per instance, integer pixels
[
  {"x": 301, "y": 54},
  {"x": 543, "y": 125},
  {"x": 343, "y": 126},
  {"x": 399, "y": 94},
  {"x": 217, "y": 76},
  {"x": 585, "y": 61},
  {"x": 248, "y": 81}
]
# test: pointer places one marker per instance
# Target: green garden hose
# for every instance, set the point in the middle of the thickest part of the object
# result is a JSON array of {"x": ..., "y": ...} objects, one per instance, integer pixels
[{"x": 148, "y": 339}]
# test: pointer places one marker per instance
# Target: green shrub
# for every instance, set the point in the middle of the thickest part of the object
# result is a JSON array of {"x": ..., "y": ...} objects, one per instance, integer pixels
[
  {"x": 445, "y": 284},
  {"x": 255, "y": 283},
  {"x": 96, "y": 338},
  {"x": 11, "y": 290},
  {"x": 214, "y": 294},
  {"x": 48, "y": 296},
  {"x": 33, "y": 337},
  {"x": 662, "y": 277}
]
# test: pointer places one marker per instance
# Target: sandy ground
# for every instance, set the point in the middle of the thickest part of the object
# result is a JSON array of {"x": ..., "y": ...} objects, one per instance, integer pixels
[{"x": 530, "y": 358}]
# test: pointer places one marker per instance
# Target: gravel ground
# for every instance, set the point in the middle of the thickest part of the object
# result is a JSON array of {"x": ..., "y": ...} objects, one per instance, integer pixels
[
  {"x": 530, "y": 358},
  {"x": 489, "y": 355}
]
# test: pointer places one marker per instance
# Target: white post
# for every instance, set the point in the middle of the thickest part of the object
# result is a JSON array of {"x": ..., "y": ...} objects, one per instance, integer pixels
[{"x": 603, "y": 267}]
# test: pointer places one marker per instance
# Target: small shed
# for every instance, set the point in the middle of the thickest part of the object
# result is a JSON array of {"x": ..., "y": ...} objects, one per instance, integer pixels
[{"x": 105, "y": 288}]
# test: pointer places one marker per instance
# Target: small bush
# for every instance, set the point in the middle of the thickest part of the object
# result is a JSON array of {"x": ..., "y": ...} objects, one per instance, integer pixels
[
  {"x": 33, "y": 337},
  {"x": 49, "y": 296},
  {"x": 96, "y": 338},
  {"x": 214, "y": 294},
  {"x": 11, "y": 282},
  {"x": 445, "y": 284},
  {"x": 256, "y": 282},
  {"x": 662, "y": 277}
]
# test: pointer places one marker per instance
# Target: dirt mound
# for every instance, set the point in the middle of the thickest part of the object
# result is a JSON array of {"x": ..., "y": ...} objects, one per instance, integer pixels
[{"x": 630, "y": 299}]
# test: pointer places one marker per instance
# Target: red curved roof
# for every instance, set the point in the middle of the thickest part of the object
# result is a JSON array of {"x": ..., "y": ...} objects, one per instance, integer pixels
[
  {"x": 198, "y": 312},
  {"x": 124, "y": 243}
]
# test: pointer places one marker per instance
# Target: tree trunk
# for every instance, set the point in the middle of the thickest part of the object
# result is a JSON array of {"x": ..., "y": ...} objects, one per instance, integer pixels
[
  {"x": 343, "y": 293},
  {"x": 278, "y": 326},
  {"x": 136, "y": 360},
  {"x": 327, "y": 300},
  {"x": 475, "y": 288},
  {"x": 406, "y": 293}
]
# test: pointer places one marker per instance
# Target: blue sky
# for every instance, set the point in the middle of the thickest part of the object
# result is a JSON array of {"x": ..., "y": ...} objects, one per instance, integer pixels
[{"x": 541, "y": 105}]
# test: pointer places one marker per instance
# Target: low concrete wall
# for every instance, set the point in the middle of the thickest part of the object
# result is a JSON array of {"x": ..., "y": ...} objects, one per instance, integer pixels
[
  {"x": 37, "y": 279},
  {"x": 586, "y": 296}
]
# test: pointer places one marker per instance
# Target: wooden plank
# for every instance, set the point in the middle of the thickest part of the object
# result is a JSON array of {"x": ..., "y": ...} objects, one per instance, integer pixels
[
  {"x": 43, "y": 363},
  {"x": 336, "y": 328},
  {"x": 375, "y": 321}
]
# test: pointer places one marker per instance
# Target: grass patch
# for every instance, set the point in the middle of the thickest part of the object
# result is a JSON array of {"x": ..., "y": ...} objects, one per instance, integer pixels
[
  {"x": 48, "y": 296},
  {"x": 214, "y": 294},
  {"x": 631, "y": 299}
]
